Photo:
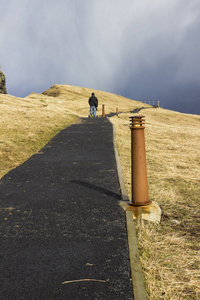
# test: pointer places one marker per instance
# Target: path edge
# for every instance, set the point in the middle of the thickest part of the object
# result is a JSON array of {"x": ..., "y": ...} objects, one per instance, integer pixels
[{"x": 139, "y": 290}]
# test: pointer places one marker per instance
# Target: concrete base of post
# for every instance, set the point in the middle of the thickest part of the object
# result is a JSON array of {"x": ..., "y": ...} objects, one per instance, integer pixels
[{"x": 151, "y": 213}]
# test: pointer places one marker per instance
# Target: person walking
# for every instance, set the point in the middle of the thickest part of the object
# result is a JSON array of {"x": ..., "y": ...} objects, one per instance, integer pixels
[{"x": 93, "y": 102}]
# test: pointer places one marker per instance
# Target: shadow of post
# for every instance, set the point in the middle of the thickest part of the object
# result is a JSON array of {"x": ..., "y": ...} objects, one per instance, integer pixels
[
  {"x": 98, "y": 188},
  {"x": 138, "y": 109}
]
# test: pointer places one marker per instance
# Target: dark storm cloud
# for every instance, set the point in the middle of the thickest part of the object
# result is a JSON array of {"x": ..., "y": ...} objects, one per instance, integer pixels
[{"x": 137, "y": 48}]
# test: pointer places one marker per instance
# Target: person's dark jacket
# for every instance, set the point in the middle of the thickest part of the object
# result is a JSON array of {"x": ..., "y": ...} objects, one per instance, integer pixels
[{"x": 93, "y": 101}]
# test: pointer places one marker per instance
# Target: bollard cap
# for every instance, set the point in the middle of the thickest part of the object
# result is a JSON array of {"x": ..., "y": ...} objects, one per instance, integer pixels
[{"x": 137, "y": 122}]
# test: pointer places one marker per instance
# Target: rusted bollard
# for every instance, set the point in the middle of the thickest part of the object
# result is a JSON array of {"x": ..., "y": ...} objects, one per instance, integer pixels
[
  {"x": 117, "y": 112},
  {"x": 103, "y": 111},
  {"x": 140, "y": 194}
]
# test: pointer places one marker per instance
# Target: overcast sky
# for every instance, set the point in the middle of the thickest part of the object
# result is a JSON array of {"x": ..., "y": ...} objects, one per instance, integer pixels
[{"x": 140, "y": 49}]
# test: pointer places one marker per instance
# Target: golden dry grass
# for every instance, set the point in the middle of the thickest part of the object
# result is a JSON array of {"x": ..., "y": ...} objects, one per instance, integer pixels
[
  {"x": 27, "y": 124},
  {"x": 169, "y": 252}
]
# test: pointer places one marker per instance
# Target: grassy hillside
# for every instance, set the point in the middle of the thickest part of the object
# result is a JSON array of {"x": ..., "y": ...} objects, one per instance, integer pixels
[
  {"x": 169, "y": 251},
  {"x": 27, "y": 124}
]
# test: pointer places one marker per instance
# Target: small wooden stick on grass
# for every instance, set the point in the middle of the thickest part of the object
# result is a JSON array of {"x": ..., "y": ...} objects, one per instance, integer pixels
[{"x": 78, "y": 280}]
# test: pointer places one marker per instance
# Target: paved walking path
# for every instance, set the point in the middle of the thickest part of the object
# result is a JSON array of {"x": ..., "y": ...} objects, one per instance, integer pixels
[{"x": 63, "y": 233}]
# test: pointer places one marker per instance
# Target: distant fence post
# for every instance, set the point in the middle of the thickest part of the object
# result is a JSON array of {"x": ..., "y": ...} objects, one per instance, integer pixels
[
  {"x": 117, "y": 112},
  {"x": 151, "y": 102},
  {"x": 103, "y": 111}
]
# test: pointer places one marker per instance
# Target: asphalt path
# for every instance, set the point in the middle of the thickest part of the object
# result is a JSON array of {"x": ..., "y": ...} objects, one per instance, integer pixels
[{"x": 63, "y": 232}]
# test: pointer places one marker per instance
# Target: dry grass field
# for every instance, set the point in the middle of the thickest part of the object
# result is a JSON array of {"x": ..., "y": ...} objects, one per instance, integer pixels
[{"x": 169, "y": 251}]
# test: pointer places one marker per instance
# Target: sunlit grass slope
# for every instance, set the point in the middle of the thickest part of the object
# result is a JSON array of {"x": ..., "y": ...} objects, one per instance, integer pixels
[
  {"x": 27, "y": 124},
  {"x": 169, "y": 252}
]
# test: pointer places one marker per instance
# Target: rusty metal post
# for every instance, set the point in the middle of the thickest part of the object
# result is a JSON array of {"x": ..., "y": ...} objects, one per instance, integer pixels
[
  {"x": 117, "y": 111},
  {"x": 103, "y": 111},
  {"x": 140, "y": 194}
]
